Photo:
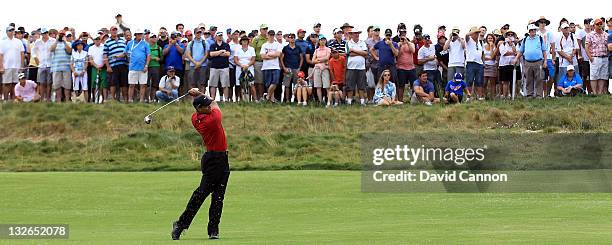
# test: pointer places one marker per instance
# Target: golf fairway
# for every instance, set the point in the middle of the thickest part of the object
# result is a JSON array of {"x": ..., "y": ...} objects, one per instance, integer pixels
[{"x": 292, "y": 207}]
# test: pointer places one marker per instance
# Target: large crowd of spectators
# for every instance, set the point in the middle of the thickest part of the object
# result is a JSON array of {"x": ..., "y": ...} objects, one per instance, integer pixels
[{"x": 374, "y": 66}]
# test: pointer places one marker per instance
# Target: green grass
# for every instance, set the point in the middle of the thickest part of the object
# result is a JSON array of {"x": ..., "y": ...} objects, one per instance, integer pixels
[
  {"x": 294, "y": 207},
  {"x": 113, "y": 137}
]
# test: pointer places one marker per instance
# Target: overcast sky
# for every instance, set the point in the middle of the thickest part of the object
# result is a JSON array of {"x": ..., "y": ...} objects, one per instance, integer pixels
[{"x": 288, "y": 16}]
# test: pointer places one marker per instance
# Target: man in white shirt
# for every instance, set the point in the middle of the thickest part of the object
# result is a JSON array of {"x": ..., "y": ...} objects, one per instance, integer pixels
[
  {"x": 42, "y": 54},
  {"x": 583, "y": 58},
  {"x": 456, "y": 49},
  {"x": 356, "y": 67},
  {"x": 168, "y": 86},
  {"x": 270, "y": 53},
  {"x": 427, "y": 58},
  {"x": 474, "y": 66},
  {"x": 567, "y": 47},
  {"x": 11, "y": 60},
  {"x": 98, "y": 75}
]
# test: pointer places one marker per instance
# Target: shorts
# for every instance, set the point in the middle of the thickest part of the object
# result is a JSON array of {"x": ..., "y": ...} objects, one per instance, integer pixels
[
  {"x": 137, "y": 77},
  {"x": 62, "y": 79},
  {"x": 459, "y": 96},
  {"x": 10, "y": 76},
  {"x": 154, "y": 76},
  {"x": 290, "y": 79},
  {"x": 79, "y": 83},
  {"x": 44, "y": 76},
  {"x": 505, "y": 73},
  {"x": 197, "y": 77},
  {"x": 406, "y": 77},
  {"x": 490, "y": 71},
  {"x": 474, "y": 74},
  {"x": 599, "y": 68},
  {"x": 258, "y": 72},
  {"x": 32, "y": 73},
  {"x": 451, "y": 72},
  {"x": 321, "y": 78},
  {"x": 119, "y": 76},
  {"x": 219, "y": 76},
  {"x": 102, "y": 82},
  {"x": 271, "y": 77},
  {"x": 355, "y": 80},
  {"x": 550, "y": 69}
]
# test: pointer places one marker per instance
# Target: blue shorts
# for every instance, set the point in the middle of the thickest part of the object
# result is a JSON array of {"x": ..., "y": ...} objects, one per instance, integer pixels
[
  {"x": 474, "y": 74},
  {"x": 271, "y": 77},
  {"x": 551, "y": 69}
]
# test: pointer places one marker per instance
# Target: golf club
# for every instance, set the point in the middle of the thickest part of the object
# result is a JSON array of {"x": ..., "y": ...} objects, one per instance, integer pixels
[{"x": 149, "y": 117}]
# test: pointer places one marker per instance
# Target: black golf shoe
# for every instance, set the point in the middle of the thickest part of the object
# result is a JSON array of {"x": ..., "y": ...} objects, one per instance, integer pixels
[
  {"x": 176, "y": 231},
  {"x": 213, "y": 236}
]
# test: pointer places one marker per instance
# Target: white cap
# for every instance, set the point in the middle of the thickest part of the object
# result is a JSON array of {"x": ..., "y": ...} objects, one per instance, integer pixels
[
  {"x": 138, "y": 31},
  {"x": 570, "y": 67},
  {"x": 21, "y": 76},
  {"x": 532, "y": 27},
  {"x": 564, "y": 25}
]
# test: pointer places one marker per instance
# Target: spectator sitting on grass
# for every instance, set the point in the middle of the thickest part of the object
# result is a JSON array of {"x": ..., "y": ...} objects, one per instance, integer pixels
[
  {"x": 423, "y": 90},
  {"x": 25, "y": 90},
  {"x": 453, "y": 93},
  {"x": 569, "y": 84},
  {"x": 385, "y": 90},
  {"x": 301, "y": 89},
  {"x": 335, "y": 93},
  {"x": 168, "y": 86}
]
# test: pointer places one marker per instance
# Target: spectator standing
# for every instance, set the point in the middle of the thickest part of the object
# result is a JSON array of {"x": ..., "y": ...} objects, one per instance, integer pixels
[
  {"x": 60, "y": 67},
  {"x": 490, "y": 66},
  {"x": 337, "y": 68},
  {"x": 257, "y": 44},
  {"x": 597, "y": 52},
  {"x": 42, "y": 54},
  {"x": 12, "y": 55},
  {"x": 270, "y": 53},
  {"x": 78, "y": 66},
  {"x": 507, "y": 51},
  {"x": 456, "y": 51},
  {"x": 244, "y": 58},
  {"x": 154, "y": 73},
  {"x": 321, "y": 71},
  {"x": 197, "y": 54},
  {"x": 173, "y": 55},
  {"x": 406, "y": 70},
  {"x": 356, "y": 67},
  {"x": 567, "y": 48},
  {"x": 534, "y": 51},
  {"x": 139, "y": 54},
  {"x": 219, "y": 54},
  {"x": 116, "y": 64},
  {"x": 442, "y": 56},
  {"x": 474, "y": 65},
  {"x": 291, "y": 60},
  {"x": 386, "y": 52},
  {"x": 97, "y": 63}
]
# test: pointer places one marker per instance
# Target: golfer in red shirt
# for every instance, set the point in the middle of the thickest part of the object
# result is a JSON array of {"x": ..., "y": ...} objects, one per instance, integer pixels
[{"x": 215, "y": 167}]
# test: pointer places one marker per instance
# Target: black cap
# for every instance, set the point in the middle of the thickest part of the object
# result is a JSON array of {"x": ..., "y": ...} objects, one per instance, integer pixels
[
  {"x": 201, "y": 101},
  {"x": 388, "y": 32}
]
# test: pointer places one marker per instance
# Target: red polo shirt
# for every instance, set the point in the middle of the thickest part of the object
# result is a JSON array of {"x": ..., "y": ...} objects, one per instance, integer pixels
[{"x": 209, "y": 126}]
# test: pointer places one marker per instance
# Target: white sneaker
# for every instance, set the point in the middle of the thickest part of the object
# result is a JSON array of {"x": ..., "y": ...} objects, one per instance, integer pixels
[
  {"x": 427, "y": 103},
  {"x": 304, "y": 103}
]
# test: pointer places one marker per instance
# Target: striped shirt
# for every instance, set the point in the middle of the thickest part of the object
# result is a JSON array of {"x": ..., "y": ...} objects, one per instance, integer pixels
[
  {"x": 113, "y": 48},
  {"x": 338, "y": 46},
  {"x": 61, "y": 59}
]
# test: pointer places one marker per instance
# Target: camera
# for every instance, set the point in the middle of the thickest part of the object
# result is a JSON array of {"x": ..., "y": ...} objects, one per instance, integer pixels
[
  {"x": 173, "y": 36},
  {"x": 60, "y": 38}
]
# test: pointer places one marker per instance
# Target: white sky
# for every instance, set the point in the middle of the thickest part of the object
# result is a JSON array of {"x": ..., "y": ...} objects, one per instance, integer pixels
[{"x": 288, "y": 16}]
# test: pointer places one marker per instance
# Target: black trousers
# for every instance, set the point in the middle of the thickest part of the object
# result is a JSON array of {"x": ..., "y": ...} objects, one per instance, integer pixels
[{"x": 215, "y": 174}]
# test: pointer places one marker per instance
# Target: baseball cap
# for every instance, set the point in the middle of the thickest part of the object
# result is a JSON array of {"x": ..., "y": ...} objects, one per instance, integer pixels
[
  {"x": 184, "y": 40},
  {"x": 570, "y": 67},
  {"x": 113, "y": 27},
  {"x": 388, "y": 32},
  {"x": 201, "y": 101},
  {"x": 338, "y": 30},
  {"x": 317, "y": 25},
  {"x": 598, "y": 21},
  {"x": 426, "y": 36},
  {"x": 291, "y": 35},
  {"x": 147, "y": 31},
  {"x": 300, "y": 31},
  {"x": 171, "y": 68},
  {"x": 532, "y": 27},
  {"x": 21, "y": 76},
  {"x": 153, "y": 35},
  {"x": 68, "y": 33},
  {"x": 263, "y": 26},
  {"x": 355, "y": 30},
  {"x": 138, "y": 31},
  {"x": 321, "y": 36},
  {"x": 271, "y": 32},
  {"x": 458, "y": 76},
  {"x": 10, "y": 28},
  {"x": 564, "y": 25},
  {"x": 44, "y": 30},
  {"x": 300, "y": 74},
  {"x": 188, "y": 32},
  {"x": 374, "y": 28}
]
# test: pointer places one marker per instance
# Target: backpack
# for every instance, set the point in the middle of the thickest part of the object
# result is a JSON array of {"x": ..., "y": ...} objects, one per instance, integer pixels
[
  {"x": 541, "y": 41},
  {"x": 191, "y": 46},
  {"x": 561, "y": 39}
]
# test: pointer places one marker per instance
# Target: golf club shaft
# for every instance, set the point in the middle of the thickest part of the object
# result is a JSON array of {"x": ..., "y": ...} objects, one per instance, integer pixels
[{"x": 167, "y": 104}]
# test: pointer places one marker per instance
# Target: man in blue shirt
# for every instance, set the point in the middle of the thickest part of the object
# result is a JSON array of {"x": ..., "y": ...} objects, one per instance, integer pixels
[
  {"x": 173, "y": 55},
  {"x": 218, "y": 54},
  {"x": 423, "y": 91},
  {"x": 453, "y": 93},
  {"x": 197, "y": 53},
  {"x": 569, "y": 84},
  {"x": 385, "y": 52},
  {"x": 291, "y": 60},
  {"x": 534, "y": 51},
  {"x": 138, "y": 53}
]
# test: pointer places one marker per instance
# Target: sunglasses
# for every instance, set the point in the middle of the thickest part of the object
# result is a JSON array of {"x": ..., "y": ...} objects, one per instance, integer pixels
[
  {"x": 600, "y": 24},
  {"x": 387, "y": 75},
  {"x": 505, "y": 28}
]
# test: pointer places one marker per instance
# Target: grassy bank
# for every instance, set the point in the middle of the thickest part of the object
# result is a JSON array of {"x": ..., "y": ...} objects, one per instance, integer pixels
[{"x": 113, "y": 137}]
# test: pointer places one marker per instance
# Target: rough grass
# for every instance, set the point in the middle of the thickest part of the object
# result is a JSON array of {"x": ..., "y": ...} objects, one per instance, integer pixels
[{"x": 113, "y": 137}]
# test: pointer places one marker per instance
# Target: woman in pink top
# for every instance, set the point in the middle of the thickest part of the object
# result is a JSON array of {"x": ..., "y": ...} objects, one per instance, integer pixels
[
  {"x": 406, "y": 71},
  {"x": 321, "y": 69}
]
